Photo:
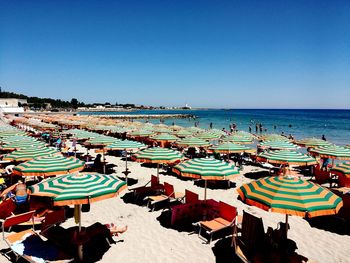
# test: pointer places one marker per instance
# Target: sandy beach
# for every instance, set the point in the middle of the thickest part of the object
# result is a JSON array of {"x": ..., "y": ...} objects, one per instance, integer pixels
[{"x": 148, "y": 240}]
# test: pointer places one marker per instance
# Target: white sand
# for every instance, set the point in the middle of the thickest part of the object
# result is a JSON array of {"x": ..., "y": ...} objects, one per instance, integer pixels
[{"x": 148, "y": 241}]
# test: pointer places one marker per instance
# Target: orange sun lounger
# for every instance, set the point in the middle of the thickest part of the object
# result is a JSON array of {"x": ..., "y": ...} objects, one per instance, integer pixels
[{"x": 28, "y": 244}]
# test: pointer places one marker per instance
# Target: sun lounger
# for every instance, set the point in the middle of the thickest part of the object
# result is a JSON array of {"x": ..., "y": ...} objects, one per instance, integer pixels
[
  {"x": 225, "y": 221},
  {"x": 169, "y": 195},
  {"x": 28, "y": 244},
  {"x": 251, "y": 242},
  {"x": 145, "y": 190}
]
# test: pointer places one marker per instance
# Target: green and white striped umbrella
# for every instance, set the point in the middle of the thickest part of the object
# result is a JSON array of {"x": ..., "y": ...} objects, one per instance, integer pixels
[
  {"x": 49, "y": 166},
  {"x": 26, "y": 154},
  {"x": 331, "y": 151},
  {"x": 208, "y": 136},
  {"x": 206, "y": 169},
  {"x": 16, "y": 138},
  {"x": 273, "y": 137},
  {"x": 162, "y": 130},
  {"x": 192, "y": 142},
  {"x": 158, "y": 155},
  {"x": 7, "y": 133},
  {"x": 312, "y": 142},
  {"x": 341, "y": 168},
  {"x": 195, "y": 129},
  {"x": 101, "y": 141},
  {"x": 80, "y": 188},
  {"x": 16, "y": 145},
  {"x": 141, "y": 133},
  {"x": 231, "y": 148},
  {"x": 164, "y": 137},
  {"x": 290, "y": 196},
  {"x": 278, "y": 145},
  {"x": 238, "y": 139},
  {"x": 217, "y": 131},
  {"x": 126, "y": 145},
  {"x": 286, "y": 157},
  {"x": 183, "y": 133}
]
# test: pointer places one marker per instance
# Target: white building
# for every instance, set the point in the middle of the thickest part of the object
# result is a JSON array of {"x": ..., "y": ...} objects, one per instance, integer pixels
[{"x": 12, "y": 105}]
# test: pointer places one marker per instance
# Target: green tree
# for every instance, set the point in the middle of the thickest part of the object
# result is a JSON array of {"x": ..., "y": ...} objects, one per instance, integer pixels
[{"x": 74, "y": 102}]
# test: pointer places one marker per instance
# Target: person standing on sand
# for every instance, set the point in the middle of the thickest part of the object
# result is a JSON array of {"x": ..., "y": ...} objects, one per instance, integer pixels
[{"x": 211, "y": 125}]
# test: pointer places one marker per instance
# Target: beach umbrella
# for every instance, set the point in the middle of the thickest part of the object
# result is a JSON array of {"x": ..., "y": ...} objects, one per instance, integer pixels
[
  {"x": 228, "y": 148},
  {"x": 183, "y": 133},
  {"x": 208, "y": 136},
  {"x": 238, "y": 139},
  {"x": 195, "y": 129},
  {"x": 192, "y": 142},
  {"x": 78, "y": 189},
  {"x": 128, "y": 146},
  {"x": 286, "y": 157},
  {"x": 162, "y": 130},
  {"x": 49, "y": 166},
  {"x": 141, "y": 133},
  {"x": 158, "y": 155},
  {"x": 278, "y": 145},
  {"x": 290, "y": 196},
  {"x": 217, "y": 131},
  {"x": 101, "y": 141},
  {"x": 206, "y": 169},
  {"x": 332, "y": 152},
  {"x": 164, "y": 137},
  {"x": 7, "y": 133},
  {"x": 15, "y": 138},
  {"x": 16, "y": 145},
  {"x": 273, "y": 137},
  {"x": 341, "y": 168},
  {"x": 26, "y": 154},
  {"x": 311, "y": 142}
]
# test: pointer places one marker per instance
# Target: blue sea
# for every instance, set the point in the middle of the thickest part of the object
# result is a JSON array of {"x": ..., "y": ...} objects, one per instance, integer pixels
[{"x": 334, "y": 124}]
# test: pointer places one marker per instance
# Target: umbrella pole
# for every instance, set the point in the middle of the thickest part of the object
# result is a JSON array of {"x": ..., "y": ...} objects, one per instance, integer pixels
[
  {"x": 126, "y": 167},
  {"x": 158, "y": 171},
  {"x": 286, "y": 225},
  {"x": 104, "y": 160},
  {"x": 205, "y": 190}
]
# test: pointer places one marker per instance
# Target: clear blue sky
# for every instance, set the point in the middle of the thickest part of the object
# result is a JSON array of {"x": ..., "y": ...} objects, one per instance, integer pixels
[{"x": 235, "y": 54}]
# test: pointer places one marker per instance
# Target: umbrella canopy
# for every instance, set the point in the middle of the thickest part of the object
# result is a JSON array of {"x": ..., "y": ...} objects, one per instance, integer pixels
[
  {"x": 278, "y": 145},
  {"x": 341, "y": 168},
  {"x": 27, "y": 154},
  {"x": 331, "y": 151},
  {"x": 206, "y": 168},
  {"x": 158, "y": 155},
  {"x": 217, "y": 131},
  {"x": 164, "y": 137},
  {"x": 183, "y": 133},
  {"x": 101, "y": 140},
  {"x": 195, "y": 129},
  {"x": 231, "y": 148},
  {"x": 273, "y": 137},
  {"x": 284, "y": 157},
  {"x": 238, "y": 139},
  {"x": 208, "y": 136},
  {"x": 15, "y": 138},
  {"x": 81, "y": 188},
  {"x": 192, "y": 142},
  {"x": 16, "y": 145},
  {"x": 141, "y": 133},
  {"x": 49, "y": 166},
  {"x": 311, "y": 142},
  {"x": 126, "y": 145},
  {"x": 290, "y": 196}
]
